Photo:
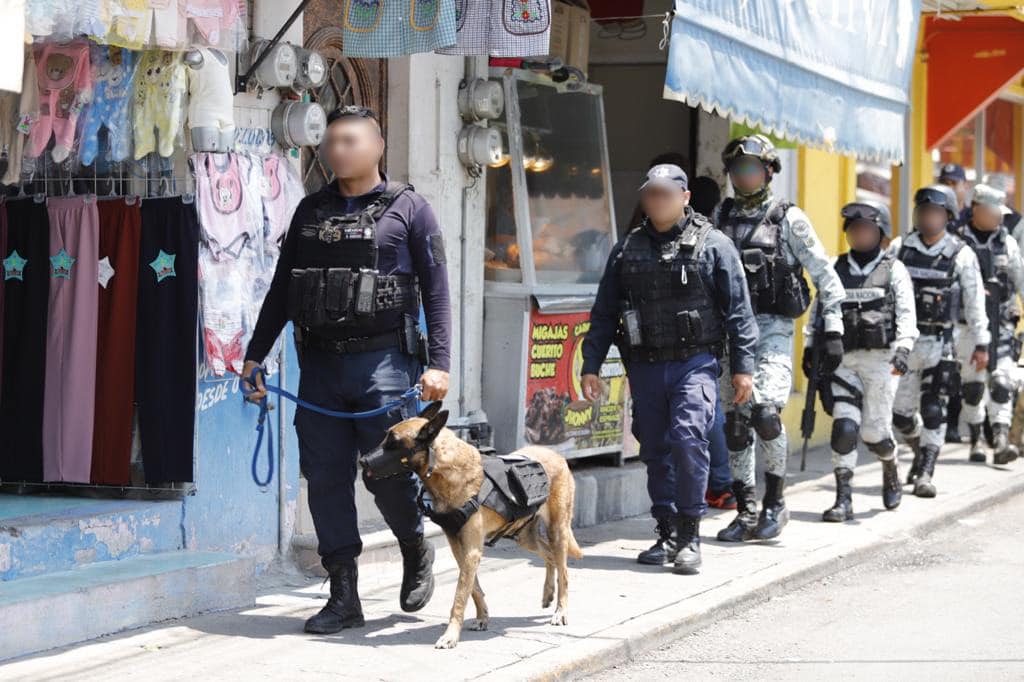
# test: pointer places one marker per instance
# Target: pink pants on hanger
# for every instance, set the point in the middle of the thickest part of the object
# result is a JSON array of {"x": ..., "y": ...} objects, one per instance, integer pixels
[{"x": 69, "y": 399}]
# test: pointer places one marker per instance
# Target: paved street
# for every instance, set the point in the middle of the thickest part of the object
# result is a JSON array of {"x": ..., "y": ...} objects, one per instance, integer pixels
[{"x": 946, "y": 607}]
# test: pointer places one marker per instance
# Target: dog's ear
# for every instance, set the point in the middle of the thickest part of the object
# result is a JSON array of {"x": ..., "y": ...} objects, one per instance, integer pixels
[
  {"x": 428, "y": 432},
  {"x": 431, "y": 410}
]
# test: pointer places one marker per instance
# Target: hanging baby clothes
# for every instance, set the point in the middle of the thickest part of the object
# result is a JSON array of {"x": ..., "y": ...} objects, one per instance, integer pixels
[
  {"x": 113, "y": 70},
  {"x": 12, "y": 44},
  {"x": 211, "y": 97},
  {"x": 165, "y": 352},
  {"x": 143, "y": 23},
  {"x": 120, "y": 225},
  {"x": 26, "y": 273},
  {"x": 375, "y": 28},
  {"x": 70, "y": 384},
  {"x": 231, "y": 220},
  {"x": 212, "y": 22},
  {"x": 18, "y": 114},
  {"x": 502, "y": 28},
  {"x": 64, "y": 84},
  {"x": 160, "y": 83}
]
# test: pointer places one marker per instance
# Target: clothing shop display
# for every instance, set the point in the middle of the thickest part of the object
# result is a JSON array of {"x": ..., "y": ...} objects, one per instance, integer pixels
[
  {"x": 159, "y": 91},
  {"x": 502, "y": 28},
  {"x": 375, "y": 28},
  {"x": 211, "y": 97},
  {"x": 165, "y": 355},
  {"x": 113, "y": 70},
  {"x": 26, "y": 292},
  {"x": 64, "y": 83},
  {"x": 212, "y": 23},
  {"x": 70, "y": 379},
  {"x": 118, "y": 278}
]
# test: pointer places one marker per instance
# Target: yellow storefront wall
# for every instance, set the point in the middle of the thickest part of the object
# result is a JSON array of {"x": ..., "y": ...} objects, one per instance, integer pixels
[{"x": 825, "y": 182}]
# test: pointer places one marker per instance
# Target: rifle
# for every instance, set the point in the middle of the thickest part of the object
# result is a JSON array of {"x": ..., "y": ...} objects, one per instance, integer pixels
[
  {"x": 993, "y": 294},
  {"x": 808, "y": 415}
]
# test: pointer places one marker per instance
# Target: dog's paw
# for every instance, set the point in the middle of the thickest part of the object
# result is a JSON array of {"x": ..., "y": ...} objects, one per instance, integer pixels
[
  {"x": 447, "y": 641},
  {"x": 547, "y": 598},
  {"x": 560, "y": 618},
  {"x": 479, "y": 624}
]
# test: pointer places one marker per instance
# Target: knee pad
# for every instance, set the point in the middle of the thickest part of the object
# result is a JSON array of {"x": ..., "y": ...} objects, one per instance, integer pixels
[
  {"x": 844, "y": 435},
  {"x": 973, "y": 392},
  {"x": 904, "y": 423},
  {"x": 884, "y": 447},
  {"x": 737, "y": 431},
  {"x": 931, "y": 411},
  {"x": 1000, "y": 388},
  {"x": 766, "y": 421}
]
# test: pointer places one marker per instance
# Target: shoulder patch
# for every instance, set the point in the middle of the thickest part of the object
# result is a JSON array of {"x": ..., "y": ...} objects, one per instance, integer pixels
[
  {"x": 802, "y": 231},
  {"x": 436, "y": 243}
]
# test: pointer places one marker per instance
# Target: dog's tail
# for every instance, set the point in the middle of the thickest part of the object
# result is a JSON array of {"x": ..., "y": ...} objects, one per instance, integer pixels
[{"x": 574, "y": 550}]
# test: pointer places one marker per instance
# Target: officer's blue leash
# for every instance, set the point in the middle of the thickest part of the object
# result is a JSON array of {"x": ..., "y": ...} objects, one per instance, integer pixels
[{"x": 264, "y": 424}]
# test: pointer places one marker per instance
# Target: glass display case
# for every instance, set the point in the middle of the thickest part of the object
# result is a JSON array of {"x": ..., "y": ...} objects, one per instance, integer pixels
[{"x": 549, "y": 230}]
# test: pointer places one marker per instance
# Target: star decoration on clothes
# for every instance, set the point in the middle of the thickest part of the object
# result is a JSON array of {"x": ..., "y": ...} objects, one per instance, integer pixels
[
  {"x": 14, "y": 266},
  {"x": 163, "y": 265},
  {"x": 61, "y": 263}
]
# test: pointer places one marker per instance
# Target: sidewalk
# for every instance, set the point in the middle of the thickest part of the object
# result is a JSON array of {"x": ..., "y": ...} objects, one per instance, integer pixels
[{"x": 616, "y": 607}]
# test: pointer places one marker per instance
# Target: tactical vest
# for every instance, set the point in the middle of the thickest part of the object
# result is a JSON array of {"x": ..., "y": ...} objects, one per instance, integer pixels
[
  {"x": 936, "y": 288},
  {"x": 869, "y": 309},
  {"x": 347, "y": 295},
  {"x": 667, "y": 313},
  {"x": 776, "y": 286},
  {"x": 994, "y": 263}
]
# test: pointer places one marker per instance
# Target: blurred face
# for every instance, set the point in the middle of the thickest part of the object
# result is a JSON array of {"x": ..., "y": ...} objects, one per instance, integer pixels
[
  {"x": 986, "y": 218},
  {"x": 863, "y": 235},
  {"x": 930, "y": 219},
  {"x": 959, "y": 187},
  {"x": 747, "y": 174},
  {"x": 664, "y": 205},
  {"x": 353, "y": 147}
]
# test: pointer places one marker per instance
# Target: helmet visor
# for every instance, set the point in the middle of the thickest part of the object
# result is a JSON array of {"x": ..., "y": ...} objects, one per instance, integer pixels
[
  {"x": 860, "y": 212},
  {"x": 744, "y": 146}
]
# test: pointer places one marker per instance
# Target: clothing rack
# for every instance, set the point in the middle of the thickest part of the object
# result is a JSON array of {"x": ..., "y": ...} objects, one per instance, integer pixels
[{"x": 150, "y": 177}]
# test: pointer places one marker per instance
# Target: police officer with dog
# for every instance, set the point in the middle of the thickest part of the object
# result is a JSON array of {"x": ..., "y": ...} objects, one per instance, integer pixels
[
  {"x": 946, "y": 277},
  {"x": 1002, "y": 272},
  {"x": 360, "y": 256},
  {"x": 879, "y": 330},
  {"x": 672, "y": 298},
  {"x": 776, "y": 243}
]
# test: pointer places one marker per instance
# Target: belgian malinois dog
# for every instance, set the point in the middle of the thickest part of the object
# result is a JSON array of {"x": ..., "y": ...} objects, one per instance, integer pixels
[{"x": 452, "y": 473}]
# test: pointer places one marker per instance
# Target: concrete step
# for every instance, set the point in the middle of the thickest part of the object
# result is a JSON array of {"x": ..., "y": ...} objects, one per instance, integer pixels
[
  {"x": 42, "y": 534},
  {"x": 55, "y": 609}
]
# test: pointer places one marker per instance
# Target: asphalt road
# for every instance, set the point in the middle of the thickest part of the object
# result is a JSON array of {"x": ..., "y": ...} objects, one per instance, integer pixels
[{"x": 946, "y": 607}]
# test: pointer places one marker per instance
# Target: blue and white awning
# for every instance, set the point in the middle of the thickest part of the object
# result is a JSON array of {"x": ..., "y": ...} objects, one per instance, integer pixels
[{"x": 831, "y": 73}]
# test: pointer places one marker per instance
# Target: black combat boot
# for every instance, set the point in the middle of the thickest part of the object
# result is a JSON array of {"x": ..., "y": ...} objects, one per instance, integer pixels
[
  {"x": 892, "y": 491},
  {"x": 1003, "y": 452},
  {"x": 342, "y": 609},
  {"x": 842, "y": 510},
  {"x": 915, "y": 466},
  {"x": 664, "y": 549},
  {"x": 417, "y": 574},
  {"x": 687, "y": 561},
  {"x": 742, "y": 526},
  {"x": 977, "y": 449},
  {"x": 923, "y": 486},
  {"x": 774, "y": 515}
]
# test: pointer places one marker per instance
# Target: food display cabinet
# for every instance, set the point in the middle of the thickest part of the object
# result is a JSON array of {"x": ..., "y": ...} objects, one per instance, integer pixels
[{"x": 549, "y": 229}]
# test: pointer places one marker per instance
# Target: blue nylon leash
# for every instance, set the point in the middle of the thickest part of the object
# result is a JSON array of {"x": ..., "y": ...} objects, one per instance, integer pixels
[{"x": 265, "y": 425}]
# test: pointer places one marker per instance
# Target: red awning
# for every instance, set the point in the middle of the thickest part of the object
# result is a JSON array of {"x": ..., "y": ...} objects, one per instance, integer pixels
[{"x": 969, "y": 62}]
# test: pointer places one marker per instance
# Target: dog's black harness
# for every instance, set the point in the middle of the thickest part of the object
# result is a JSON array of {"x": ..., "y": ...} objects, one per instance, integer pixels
[{"x": 514, "y": 487}]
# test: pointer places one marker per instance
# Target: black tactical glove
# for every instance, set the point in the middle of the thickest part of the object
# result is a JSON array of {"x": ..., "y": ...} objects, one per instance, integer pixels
[
  {"x": 832, "y": 353},
  {"x": 899, "y": 360}
]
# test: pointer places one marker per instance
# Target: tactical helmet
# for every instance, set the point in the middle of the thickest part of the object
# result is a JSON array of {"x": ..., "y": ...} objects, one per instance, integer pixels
[
  {"x": 755, "y": 145},
  {"x": 873, "y": 211},
  {"x": 940, "y": 195}
]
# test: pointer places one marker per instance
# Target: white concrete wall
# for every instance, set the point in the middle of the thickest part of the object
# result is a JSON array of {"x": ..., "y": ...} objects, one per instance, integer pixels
[{"x": 423, "y": 123}]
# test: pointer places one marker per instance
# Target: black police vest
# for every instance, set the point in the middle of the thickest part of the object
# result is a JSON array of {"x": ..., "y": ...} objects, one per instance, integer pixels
[
  {"x": 776, "y": 287},
  {"x": 345, "y": 297},
  {"x": 936, "y": 288},
  {"x": 667, "y": 311},
  {"x": 869, "y": 309},
  {"x": 994, "y": 263}
]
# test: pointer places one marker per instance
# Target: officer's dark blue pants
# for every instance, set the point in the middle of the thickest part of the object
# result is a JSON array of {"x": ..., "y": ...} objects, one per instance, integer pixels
[
  {"x": 329, "y": 447},
  {"x": 720, "y": 477},
  {"x": 673, "y": 411}
]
